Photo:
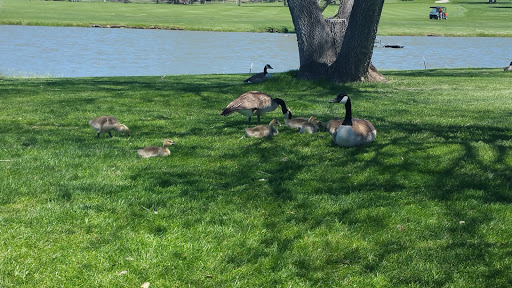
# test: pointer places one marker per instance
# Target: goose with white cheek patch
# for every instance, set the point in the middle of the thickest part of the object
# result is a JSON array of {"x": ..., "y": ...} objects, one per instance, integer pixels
[
  {"x": 509, "y": 68},
  {"x": 352, "y": 131},
  {"x": 155, "y": 151},
  {"x": 260, "y": 77},
  {"x": 261, "y": 131},
  {"x": 254, "y": 103}
]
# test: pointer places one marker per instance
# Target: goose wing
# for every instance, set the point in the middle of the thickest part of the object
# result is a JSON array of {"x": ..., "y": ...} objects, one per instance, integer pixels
[{"x": 362, "y": 127}]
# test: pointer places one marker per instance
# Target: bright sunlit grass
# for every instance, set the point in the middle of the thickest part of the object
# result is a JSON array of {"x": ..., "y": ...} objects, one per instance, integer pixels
[
  {"x": 427, "y": 204},
  {"x": 465, "y": 18}
]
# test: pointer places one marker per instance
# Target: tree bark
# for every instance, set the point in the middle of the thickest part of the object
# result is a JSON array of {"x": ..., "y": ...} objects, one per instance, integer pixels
[{"x": 340, "y": 48}]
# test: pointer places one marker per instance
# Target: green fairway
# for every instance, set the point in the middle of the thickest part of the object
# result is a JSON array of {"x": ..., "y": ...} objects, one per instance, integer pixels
[
  {"x": 427, "y": 204},
  {"x": 465, "y": 18}
]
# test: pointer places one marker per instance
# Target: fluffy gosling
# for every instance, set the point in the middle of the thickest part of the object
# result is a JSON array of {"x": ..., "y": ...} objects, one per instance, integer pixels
[
  {"x": 155, "y": 151},
  {"x": 107, "y": 124},
  {"x": 311, "y": 126},
  {"x": 263, "y": 131}
]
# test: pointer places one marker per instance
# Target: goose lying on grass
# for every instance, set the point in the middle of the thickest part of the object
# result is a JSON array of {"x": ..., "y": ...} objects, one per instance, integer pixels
[
  {"x": 311, "y": 126},
  {"x": 107, "y": 124},
  {"x": 263, "y": 131},
  {"x": 260, "y": 77},
  {"x": 254, "y": 103},
  {"x": 352, "y": 131},
  {"x": 155, "y": 151},
  {"x": 332, "y": 125},
  {"x": 308, "y": 125}
]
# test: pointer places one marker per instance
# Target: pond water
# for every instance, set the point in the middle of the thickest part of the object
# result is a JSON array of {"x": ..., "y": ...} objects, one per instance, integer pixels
[{"x": 84, "y": 52}]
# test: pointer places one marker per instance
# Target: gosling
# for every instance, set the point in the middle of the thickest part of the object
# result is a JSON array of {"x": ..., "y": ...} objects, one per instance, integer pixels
[
  {"x": 332, "y": 125},
  {"x": 261, "y": 131},
  {"x": 311, "y": 126},
  {"x": 155, "y": 151},
  {"x": 107, "y": 124}
]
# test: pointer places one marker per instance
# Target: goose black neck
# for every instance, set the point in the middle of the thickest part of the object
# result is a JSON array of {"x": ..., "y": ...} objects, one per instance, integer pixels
[
  {"x": 265, "y": 70},
  {"x": 283, "y": 105},
  {"x": 348, "y": 113}
]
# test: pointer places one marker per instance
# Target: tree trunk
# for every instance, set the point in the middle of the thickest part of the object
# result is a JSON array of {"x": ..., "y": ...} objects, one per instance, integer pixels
[{"x": 338, "y": 49}]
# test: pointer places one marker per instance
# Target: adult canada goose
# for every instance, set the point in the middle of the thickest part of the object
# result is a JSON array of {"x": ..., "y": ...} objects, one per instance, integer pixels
[
  {"x": 263, "y": 131},
  {"x": 333, "y": 124},
  {"x": 509, "y": 68},
  {"x": 260, "y": 77},
  {"x": 155, "y": 151},
  {"x": 352, "y": 131},
  {"x": 311, "y": 126},
  {"x": 107, "y": 124},
  {"x": 254, "y": 103}
]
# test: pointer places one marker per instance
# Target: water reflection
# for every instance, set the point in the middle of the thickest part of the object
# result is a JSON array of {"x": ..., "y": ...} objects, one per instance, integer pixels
[{"x": 81, "y": 52}]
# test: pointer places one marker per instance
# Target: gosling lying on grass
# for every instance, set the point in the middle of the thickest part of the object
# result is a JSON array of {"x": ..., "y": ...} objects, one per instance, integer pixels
[
  {"x": 107, "y": 124},
  {"x": 263, "y": 131},
  {"x": 155, "y": 151},
  {"x": 311, "y": 126},
  {"x": 332, "y": 125},
  {"x": 304, "y": 125}
]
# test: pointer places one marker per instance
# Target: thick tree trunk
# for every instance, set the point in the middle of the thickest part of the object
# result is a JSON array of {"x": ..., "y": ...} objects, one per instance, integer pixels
[{"x": 338, "y": 49}]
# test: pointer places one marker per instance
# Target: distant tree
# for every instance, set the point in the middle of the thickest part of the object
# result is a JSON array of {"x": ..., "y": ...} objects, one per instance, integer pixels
[{"x": 338, "y": 48}]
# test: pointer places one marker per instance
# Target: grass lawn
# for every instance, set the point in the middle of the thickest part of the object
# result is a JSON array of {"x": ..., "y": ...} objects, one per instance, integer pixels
[
  {"x": 427, "y": 204},
  {"x": 465, "y": 18}
]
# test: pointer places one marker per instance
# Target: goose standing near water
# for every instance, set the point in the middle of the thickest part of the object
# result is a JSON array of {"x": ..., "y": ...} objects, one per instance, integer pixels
[
  {"x": 263, "y": 131},
  {"x": 352, "y": 131},
  {"x": 260, "y": 77},
  {"x": 254, "y": 103},
  {"x": 155, "y": 151},
  {"x": 107, "y": 124},
  {"x": 509, "y": 68}
]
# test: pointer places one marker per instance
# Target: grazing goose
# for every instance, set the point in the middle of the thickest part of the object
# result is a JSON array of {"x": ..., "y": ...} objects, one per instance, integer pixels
[
  {"x": 253, "y": 103},
  {"x": 352, "y": 131},
  {"x": 260, "y": 77},
  {"x": 107, "y": 124},
  {"x": 155, "y": 151},
  {"x": 263, "y": 131},
  {"x": 332, "y": 125},
  {"x": 509, "y": 68},
  {"x": 311, "y": 126}
]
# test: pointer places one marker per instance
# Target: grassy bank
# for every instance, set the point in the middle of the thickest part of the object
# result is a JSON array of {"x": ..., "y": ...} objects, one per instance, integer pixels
[
  {"x": 466, "y": 18},
  {"x": 427, "y": 204}
]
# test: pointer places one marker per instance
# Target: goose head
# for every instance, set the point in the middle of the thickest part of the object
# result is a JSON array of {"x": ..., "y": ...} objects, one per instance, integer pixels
[
  {"x": 124, "y": 129},
  {"x": 344, "y": 99},
  {"x": 168, "y": 142},
  {"x": 267, "y": 67},
  {"x": 274, "y": 122}
]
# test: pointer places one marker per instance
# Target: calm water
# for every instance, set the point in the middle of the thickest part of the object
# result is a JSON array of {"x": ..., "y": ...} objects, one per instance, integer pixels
[{"x": 82, "y": 52}]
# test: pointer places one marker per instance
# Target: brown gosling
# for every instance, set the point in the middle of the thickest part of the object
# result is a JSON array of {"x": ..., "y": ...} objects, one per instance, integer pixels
[
  {"x": 332, "y": 125},
  {"x": 311, "y": 126},
  {"x": 263, "y": 131},
  {"x": 107, "y": 124},
  {"x": 155, "y": 151}
]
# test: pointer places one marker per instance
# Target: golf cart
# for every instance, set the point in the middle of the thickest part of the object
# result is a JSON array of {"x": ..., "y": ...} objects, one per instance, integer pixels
[{"x": 438, "y": 13}]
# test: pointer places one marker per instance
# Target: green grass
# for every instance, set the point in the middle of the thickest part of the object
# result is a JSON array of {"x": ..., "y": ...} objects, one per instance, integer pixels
[
  {"x": 465, "y": 18},
  {"x": 427, "y": 204}
]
